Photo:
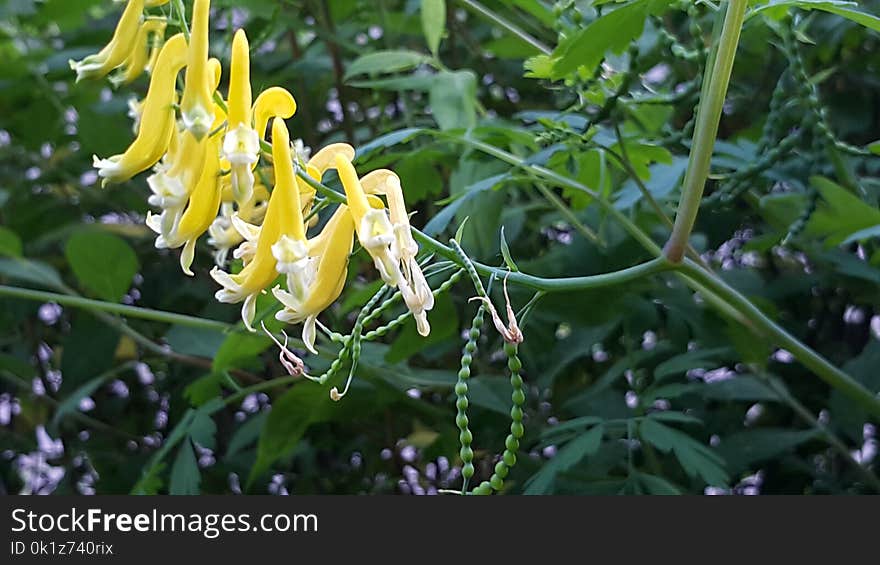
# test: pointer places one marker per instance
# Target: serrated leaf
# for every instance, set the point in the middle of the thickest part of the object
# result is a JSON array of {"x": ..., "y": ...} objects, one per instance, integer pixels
[
  {"x": 185, "y": 476},
  {"x": 292, "y": 413},
  {"x": 567, "y": 457},
  {"x": 613, "y": 32},
  {"x": 845, "y": 9},
  {"x": 696, "y": 459}
]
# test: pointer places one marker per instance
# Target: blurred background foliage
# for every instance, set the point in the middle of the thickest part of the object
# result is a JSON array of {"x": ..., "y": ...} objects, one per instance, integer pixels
[{"x": 641, "y": 388}]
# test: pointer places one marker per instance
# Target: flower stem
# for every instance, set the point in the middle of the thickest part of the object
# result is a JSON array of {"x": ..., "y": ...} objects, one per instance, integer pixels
[
  {"x": 113, "y": 308},
  {"x": 706, "y": 129}
]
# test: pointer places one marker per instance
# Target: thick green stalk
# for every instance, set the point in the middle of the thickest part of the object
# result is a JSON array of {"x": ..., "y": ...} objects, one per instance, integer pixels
[
  {"x": 706, "y": 129},
  {"x": 773, "y": 331}
]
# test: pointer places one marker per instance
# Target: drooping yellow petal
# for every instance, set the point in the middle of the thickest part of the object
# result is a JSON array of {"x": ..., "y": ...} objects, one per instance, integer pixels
[
  {"x": 331, "y": 250},
  {"x": 197, "y": 106},
  {"x": 285, "y": 179},
  {"x": 271, "y": 103},
  {"x": 157, "y": 121},
  {"x": 137, "y": 60},
  {"x": 119, "y": 48},
  {"x": 354, "y": 192},
  {"x": 204, "y": 203}
]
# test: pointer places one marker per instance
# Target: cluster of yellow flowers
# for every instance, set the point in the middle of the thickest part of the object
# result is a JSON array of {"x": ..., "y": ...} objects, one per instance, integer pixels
[{"x": 204, "y": 149}]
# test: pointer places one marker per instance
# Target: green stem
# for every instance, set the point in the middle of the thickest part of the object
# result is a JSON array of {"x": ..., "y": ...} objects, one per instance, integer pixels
[
  {"x": 706, "y": 130},
  {"x": 773, "y": 331},
  {"x": 121, "y": 309},
  {"x": 502, "y": 22}
]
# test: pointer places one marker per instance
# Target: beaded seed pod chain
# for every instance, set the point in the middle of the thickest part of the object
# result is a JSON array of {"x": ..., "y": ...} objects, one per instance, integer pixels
[{"x": 223, "y": 164}]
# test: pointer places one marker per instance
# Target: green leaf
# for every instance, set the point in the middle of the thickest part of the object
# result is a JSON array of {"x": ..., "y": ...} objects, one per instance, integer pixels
[
  {"x": 10, "y": 243},
  {"x": 613, "y": 32},
  {"x": 845, "y": 9},
  {"x": 840, "y": 214},
  {"x": 657, "y": 485},
  {"x": 103, "y": 263},
  {"x": 741, "y": 388},
  {"x": 742, "y": 449},
  {"x": 420, "y": 82},
  {"x": 185, "y": 475},
  {"x": 239, "y": 350},
  {"x": 433, "y": 22},
  {"x": 87, "y": 351},
  {"x": 26, "y": 270},
  {"x": 384, "y": 62},
  {"x": 444, "y": 325},
  {"x": 246, "y": 434},
  {"x": 292, "y": 413},
  {"x": 696, "y": 359},
  {"x": 696, "y": 459},
  {"x": 453, "y": 99},
  {"x": 582, "y": 446}
]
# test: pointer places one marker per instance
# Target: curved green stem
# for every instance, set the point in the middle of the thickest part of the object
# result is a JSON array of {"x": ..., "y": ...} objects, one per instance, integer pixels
[
  {"x": 770, "y": 329},
  {"x": 706, "y": 129},
  {"x": 112, "y": 308}
]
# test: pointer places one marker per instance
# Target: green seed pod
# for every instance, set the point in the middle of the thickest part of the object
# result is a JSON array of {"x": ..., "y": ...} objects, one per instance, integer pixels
[
  {"x": 512, "y": 444},
  {"x": 509, "y": 458},
  {"x": 496, "y": 482},
  {"x": 517, "y": 430},
  {"x": 501, "y": 469}
]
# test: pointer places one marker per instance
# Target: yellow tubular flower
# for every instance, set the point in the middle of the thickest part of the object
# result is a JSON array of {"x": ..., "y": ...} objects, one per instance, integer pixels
[
  {"x": 157, "y": 119},
  {"x": 414, "y": 288},
  {"x": 330, "y": 250},
  {"x": 197, "y": 106},
  {"x": 241, "y": 146},
  {"x": 176, "y": 178},
  {"x": 203, "y": 206},
  {"x": 137, "y": 60},
  {"x": 281, "y": 235},
  {"x": 320, "y": 162},
  {"x": 374, "y": 230},
  {"x": 271, "y": 103},
  {"x": 119, "y": 48}
]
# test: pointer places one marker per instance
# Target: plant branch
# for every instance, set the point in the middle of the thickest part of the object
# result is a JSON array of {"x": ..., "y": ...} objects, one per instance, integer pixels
[
  {"x": 478, "y": 8},
  {"x": 706, "y": 129},
  {"x": 773, "y": 331}
]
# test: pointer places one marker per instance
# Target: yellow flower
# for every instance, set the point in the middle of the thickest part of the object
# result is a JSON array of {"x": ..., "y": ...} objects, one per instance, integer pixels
[
  {"x": 201, "y": 209},
  {"x": 157, "y": 119},
  {"x": 413, "y": 286},
  {"x": 374, "y": 229},
  {"x": 137, "y": 61},
  {"x": 241, "y": 146},
  {"x": 283, "y": 223},
  {"x": 197, "y": 105},
  {"x": 177, "y": 177},
  {"x": 119, "y": 48},
  {"x": 326, "y": 271}
]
